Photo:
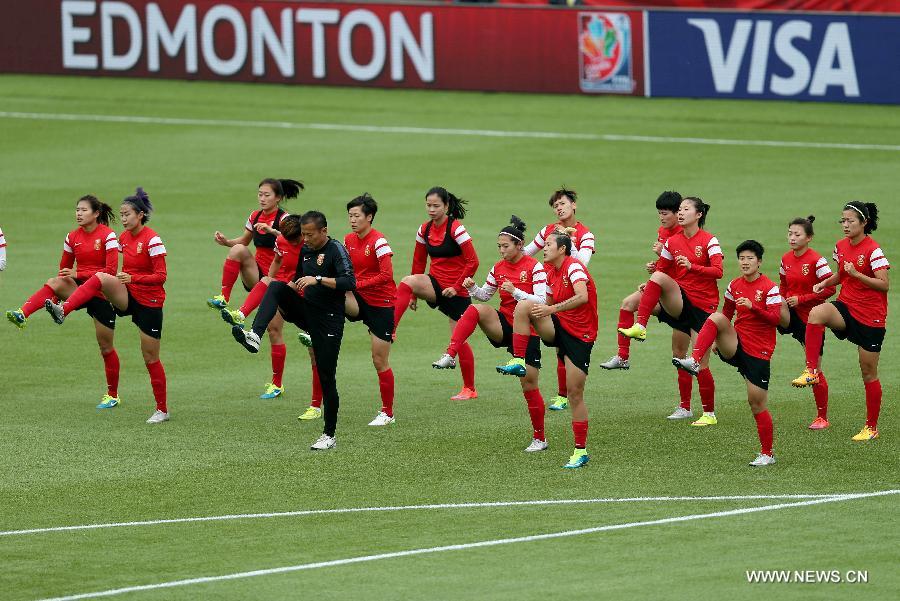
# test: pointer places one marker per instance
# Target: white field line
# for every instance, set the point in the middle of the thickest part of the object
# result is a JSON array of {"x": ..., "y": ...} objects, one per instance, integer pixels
[
  {"x": 440, "y": 131},
  {"x": 461, "y": 547},
  {"x": 281, "y": 514}
]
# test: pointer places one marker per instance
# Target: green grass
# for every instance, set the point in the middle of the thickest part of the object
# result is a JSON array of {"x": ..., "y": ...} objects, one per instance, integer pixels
[{"x": 226, "y": 452}]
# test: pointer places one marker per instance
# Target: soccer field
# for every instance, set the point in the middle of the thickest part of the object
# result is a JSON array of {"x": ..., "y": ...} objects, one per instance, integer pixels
[{"x": 225, "y": 501}]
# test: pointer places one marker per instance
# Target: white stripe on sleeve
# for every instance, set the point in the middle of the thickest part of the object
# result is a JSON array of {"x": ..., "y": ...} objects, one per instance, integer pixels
[
  {"x": 712, "y": 247},
  {"x": 728, "y": 294},
  {"x": 382, "y": 248},
  {"x": 881, "y": 263},
  {"x": 461, "y": 235},
  {"x": 491, "y": 278},
  {"x": 665, "y": 254},
  {"x": 773, "y": 297},
  {"x": 420, "y": 235},
  {"x": 66, "y": 245}
]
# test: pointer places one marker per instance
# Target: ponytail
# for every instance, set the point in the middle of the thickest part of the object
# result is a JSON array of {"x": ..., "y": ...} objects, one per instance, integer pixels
[
  {"x": 141, "y": 203},
  {"x": 284, "y": 188},
  {"x": 455, "y": 206},
  {"x": 700, "y": 207},
  {"x": 806, "y": 224},
  {"x": 515, "y": 229},
  {"x": 868, "y": 211},
  {"x": 103, "y": 210}
]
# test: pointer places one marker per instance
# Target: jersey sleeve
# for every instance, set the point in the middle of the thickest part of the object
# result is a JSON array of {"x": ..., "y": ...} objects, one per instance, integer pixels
[
  {"x": 666, "y": 261},
  {"x": 823, "y": 272},
  {"x": 67, "y": 260},
  {"x": 577, "y": 273},
  {"x": 772, "y": 313},
  {"x": 539, "y": 286},
  {"x": 537, "y": 244},
  {"x": 729, "y": 307},
  {"x": 464, "y": 240},
  {"x": 585, "y": 248},
  {"x": 157, "y": 252},
  {"x": 249, "y": 225},
  {"x": 2, "y": 251},
  {"x": 486, "y": 292},
  {"x": 420, "y": 254},
  {"x": 385, "y": 272},
  {"x": 878, "y": 260}
]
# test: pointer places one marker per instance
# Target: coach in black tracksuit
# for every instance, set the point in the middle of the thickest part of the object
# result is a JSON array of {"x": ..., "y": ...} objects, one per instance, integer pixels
[{"x": 324, "y": 274}]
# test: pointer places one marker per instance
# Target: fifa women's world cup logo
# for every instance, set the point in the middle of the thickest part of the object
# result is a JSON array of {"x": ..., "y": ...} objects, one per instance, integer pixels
[{"x": 604, "y": 43}]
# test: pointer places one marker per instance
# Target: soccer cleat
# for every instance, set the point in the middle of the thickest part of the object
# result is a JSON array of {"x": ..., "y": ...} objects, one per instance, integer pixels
[
  {"x": 616, "y": 362},
  {"x": 217, "y": 302},
  {"x": 18, "y": 318},
  {"x": 578, "y": 459},
  {"x": 688, "y": 364},
  {"x": 707, "y": 419},
  {"x": 558, "y": 403},
  {"x": 272, "y": 391},
  {"x": 866, "y": 433},
  {"x": 108, "y": 402},
  {"x": 233, "y": 316},
  {"x": 247, "y": 338},
  {"x": 513, "y": 367},
  {"x": 635, "y": 332},
  {"x": 382, "y": 419},
  {"x": 466, "y": 394},
  {"x": 763, "y": 460},
  {"x": 55, "y": 310},
  {"x": 323, "y": 443},
  {"x": 445, "y": 362},
  {"x": 820, "y": 423},
  {"x": 681, "y": 413},
  {"x": 310, "y": 413},
  {"x": 536, "y": 445},
  {"x": 807, "y": 378},
  {"x": 304, "y": 338},
  {"x": 158, "y": 417}
]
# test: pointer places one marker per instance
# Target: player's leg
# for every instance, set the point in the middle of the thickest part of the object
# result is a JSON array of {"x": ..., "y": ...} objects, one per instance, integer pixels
[
  {"x": 381, "y": 351},
  {"x": 275, "y": 329},
  {"x": 61, "y": 287},
  {"x": 150, "y": 353},
  {"x": 253, "y": 300},
  {"x": 681, "y": 343},
  {"x": 536, "y": 409},
  {"x": 115, "y": 291},
  {"x": 627, "y": 310},
  {"x": 238, "y": 263},
  {"x": 868, "y": 365},
  {"x": 660, "y": 290},
  {"x": 822, "y": 316},
  {"x": 314, "y": 411},
  {"x": 411, "y": 288},
  {"x": 105, "y": 338},
  {"x": 575, "y": 382},
  {"x": 466, "y": 359},
  {"x": 522, "y": 322},
  {"x": 784, "y": 319},
  {"x": 758, "y": 399},
  {"x": 327, "y": 334},
  {"x": 474, "y": 316}
]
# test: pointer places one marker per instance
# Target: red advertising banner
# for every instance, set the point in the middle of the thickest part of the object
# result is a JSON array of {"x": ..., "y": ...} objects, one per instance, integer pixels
[
  {"x": 867, "y": 6},
  {"x": 410, "y": 46}
]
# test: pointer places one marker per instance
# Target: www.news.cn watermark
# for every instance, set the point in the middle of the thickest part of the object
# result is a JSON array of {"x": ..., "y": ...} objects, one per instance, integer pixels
[{"x": 807, "y": 576}]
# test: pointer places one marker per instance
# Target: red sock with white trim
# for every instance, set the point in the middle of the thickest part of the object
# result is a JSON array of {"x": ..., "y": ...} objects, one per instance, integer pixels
[
  {"x": 82, "y": 295},
  {"x": 685, "y": 383},
  {"x": 707, "y": 386},
  {"x": 158, "y": 383},
  {"x": 536, "y": 411},
  {"x": 705, "y": 339},
  {"x": 254, "y": 298},
  {"x": 279, "y": 354},
  {"x": 815, "y": 337},
  {"x": 467, "y": 365},
  {"x": 463, "y": 329},
  {"x": 579, "y": 432},
  {"x": 36, "y": 301},
  {"x": 649, "y": 298},
  {"x": 820, "y": 393},
  {"x": 386, "y": 386},
  {"x": 765, "y": 430},
  {"x": 231, "y": 270},
  {"x": 404, "y": 296},
  {"x": 520, "y": 345},
  {"x": 111, "y": 367},
  {"x": 562, "y": 385},
  {"x": 316, "y": 400},
  {"x": 626, "y": 320},
  {"x": 873, "y": 403}
]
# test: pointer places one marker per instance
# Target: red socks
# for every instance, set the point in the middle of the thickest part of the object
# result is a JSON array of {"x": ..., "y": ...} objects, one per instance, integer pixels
[
  {"x": 316, "y": 400},
  {"x": 815, "y": 337},
  {"x": 652, "y": 292},
  {"x": 765, "y": 430},
  {"x": 626, "y": 320},
  {"x": 386, "y": 385},
  {"x": 36, "y": 301},
  {"x": 111, "y": 365},
  {"x": 820, "y": 393},
  {"x": 705, "y": 339},
  {"x": 464, "y": 328},
  {"x": 404, "y": 295},
  {"x": 254, "y": 298},
  {"x": 563, "y": 389},
  {"x": 536, "y": 410},
  {"x": 707, "y": 387},
  {"x": 279, "y": 352},
  {"x": 579, "y": 431},
  {"x": 685, "y": 383},
  {"x": 230, "y": 272},
  {"x": 467, "y": 365},
  {"x": 873, "y": 403},
  {"x": 82, "y": 295},
  {"x": 520, "y": 345},
  {"x": 158, "y": 382}
]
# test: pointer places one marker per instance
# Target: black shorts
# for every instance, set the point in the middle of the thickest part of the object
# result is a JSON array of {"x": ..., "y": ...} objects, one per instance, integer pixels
[
  {"x": 756, "y": 370},
  {"x": 101, "y": 310},
  {"x": 149, "y": 320},
  {"x": 691, "y": 317},
  {"x": 797, "y": 328},
  {"x": 532, "y": 353},
  {"x": 863, "y": 336},
  {"x": 259, "y": 278},
  {"x": 578, "y": 351},
  {"x": 379, "y": 320},
  {"x": 453, "y": 307}
]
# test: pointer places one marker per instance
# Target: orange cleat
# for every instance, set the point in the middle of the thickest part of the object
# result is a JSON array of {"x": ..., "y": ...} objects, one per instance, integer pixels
[
  {"x": 820, "y": 423},
  {"x": 466, "y": 394}
]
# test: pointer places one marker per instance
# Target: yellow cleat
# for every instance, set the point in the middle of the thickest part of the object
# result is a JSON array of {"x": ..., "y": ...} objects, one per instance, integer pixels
[
  {"x": 807, "y": 378},
  {"x": 635, "y": 332},
  {"x": 866, "y": 433},
  {"x": 310, "y": 413},
  {"x": 707, "y": 419}
]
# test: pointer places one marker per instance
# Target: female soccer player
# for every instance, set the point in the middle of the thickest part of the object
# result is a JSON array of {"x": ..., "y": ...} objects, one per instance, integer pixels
[
  {"x": 137, "y": 290},
  {"x": 860, "y": 312},
  {"x": 682, "y": 292},
  {"x": 749, "y": 344},
  {"x": 568, "y": 321},
  {"x": 90, "y": 248},
  {"x": 564, "y": 202},
  {"x": 2, "y": 251},
  {"x": 372, "y": 302},
  {"x": 518, "y": 277},
  {"x": 453, "y": 259},
  {"x": 801, "y": 269}
]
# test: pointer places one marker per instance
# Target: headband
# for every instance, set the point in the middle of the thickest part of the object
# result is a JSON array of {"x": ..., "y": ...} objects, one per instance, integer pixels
[
  {"x": 503, "y": 232},
  {"x": 855, "y": 208}
]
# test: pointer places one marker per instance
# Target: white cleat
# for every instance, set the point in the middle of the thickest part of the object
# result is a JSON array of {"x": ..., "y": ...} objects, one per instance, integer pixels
[
  {"x": 536, "y": 445},
  {"x": 616, "y": 362},
  {"x": 55, "y": 310},
  {"x": 158, "y": 417},
  {"x": 324, "y": 443},
  {"x": 246, "y": 338},
  {"x": 688, "y": 364},
  {"x": 382, "y": 419},
  {"x": 763, "y": 460},
  {"x": 681, "y": 413},
  {"x": 445, "y": 362}
]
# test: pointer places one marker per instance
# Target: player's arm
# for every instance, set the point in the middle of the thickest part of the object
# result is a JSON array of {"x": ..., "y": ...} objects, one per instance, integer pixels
[
  {"x": 714, "y": 271},
  {"x": 343, "y": 279},
  {"x": 67, "y": 260},
  {"x": 464, "y": 241},
  {"x": 111, "y": 246},
  {"x": 482, "y": 293},
  {"x": 586, "y": 251},
  {"x": 771, "y": 314},
  {"x": 823, "y": 273},
  {"x": 158, "y": 277},
  {"x": 245, "y": 237},
  {"x": 535, "y": 245},
  {"x": 420, "y": 254},
  {"x": 385, "y": 272},
  {"x": 276, "y": 265},
  {"x": 539, "y": 289},
  {"x": 729, "y": 308},
  {"x": 576, "y": 300}
]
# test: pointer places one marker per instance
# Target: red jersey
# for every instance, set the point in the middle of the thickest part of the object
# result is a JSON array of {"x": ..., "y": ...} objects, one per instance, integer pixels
[
  {"x": 290, "y": 256},
  {"x": 2, "y": 251},
  {"x": 698, "y": 282},
  {"x": 452, "y": 260},
  {"x": 373, "y": 267},
  {"x": 756, "y": 326},
  {"x": 526, "y": 274},
  {"x": 799, "y": 275},
  {"x": 663, "y": 234},
  {"x": 867, "y": 306},
  {"x": 90, "y": 252},
  {"x": 264, "y": 253},
  {"x": 582, "y": 241},
  {"x": 582, "y": 321},
  {"x": 144, "y": 258}
]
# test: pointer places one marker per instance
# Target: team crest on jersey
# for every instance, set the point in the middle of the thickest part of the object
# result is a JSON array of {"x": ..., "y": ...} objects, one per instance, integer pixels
[
  {"x": 860, "y": 260},
  {"x": 698, "y": 250},
  {"x": 140, "y": 247},
  {"x": 97, "y": 244},
  {"x": 368, "y": 250},
  {"x": 320, "y": 259},
  {"x": 805, "y": 269},
  {"x": 523, "y": 276},
  {"x": 759, "y": 296},
  {"x": 565, "y": 281}
]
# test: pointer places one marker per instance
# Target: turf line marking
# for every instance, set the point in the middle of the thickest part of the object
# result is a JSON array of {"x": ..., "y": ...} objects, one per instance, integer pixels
[
  {"x": 461, "y": 547},
  {"x": 441, "y": 131},
  {"x": 279, "y": 514}
]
